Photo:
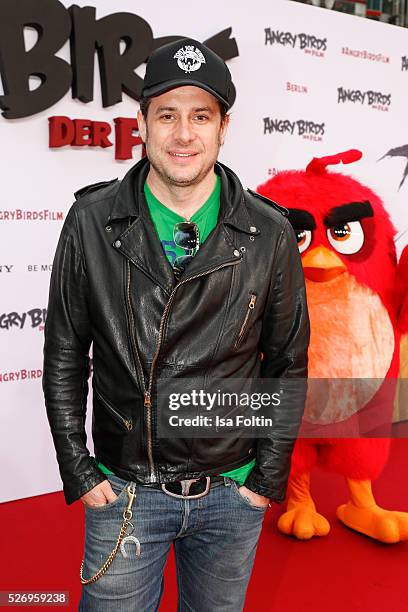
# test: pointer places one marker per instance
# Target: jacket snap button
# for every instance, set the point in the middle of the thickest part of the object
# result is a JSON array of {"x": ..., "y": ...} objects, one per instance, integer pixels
[
  {"x": 242, "y": 249},
  {"x": 108, "y": 228},
  {"x": 252, "y": 229},
  {"x": 117, "y": 243},
  {"x": 236, "y": 253},
  {"x": 251, "y": 238}
]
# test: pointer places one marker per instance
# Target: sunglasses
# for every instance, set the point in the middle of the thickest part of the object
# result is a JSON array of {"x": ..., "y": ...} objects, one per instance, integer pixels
[{"x": 187, "y": 237}]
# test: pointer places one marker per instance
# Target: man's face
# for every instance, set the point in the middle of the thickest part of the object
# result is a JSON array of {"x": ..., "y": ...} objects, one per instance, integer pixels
[{"x": 183, "y": 134}]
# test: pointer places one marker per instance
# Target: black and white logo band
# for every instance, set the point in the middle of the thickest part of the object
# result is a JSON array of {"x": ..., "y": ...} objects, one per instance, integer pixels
[
  {"x": 189, "y": 58},
  {"x": 404, "y": 63}
]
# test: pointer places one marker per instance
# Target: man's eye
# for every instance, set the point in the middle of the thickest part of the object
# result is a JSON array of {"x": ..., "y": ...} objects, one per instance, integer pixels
[
  {"x": 201, "y": 118},
  {"x": 166, "y": 117}
]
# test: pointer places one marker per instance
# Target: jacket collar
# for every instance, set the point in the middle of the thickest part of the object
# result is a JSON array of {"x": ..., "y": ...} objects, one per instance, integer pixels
[
  {"x": 233, "y": 208},
  {"x": 136, "y": 243},
  {"x": 127, "y": 199},
  {"x": 233, "y": 211}
]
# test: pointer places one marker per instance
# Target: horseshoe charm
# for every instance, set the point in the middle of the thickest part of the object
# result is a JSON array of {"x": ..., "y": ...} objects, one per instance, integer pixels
[{"x": 129, "y": 538}]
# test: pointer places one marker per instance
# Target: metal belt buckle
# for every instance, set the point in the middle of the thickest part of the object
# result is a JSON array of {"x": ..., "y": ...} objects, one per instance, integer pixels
[{"x": 185, "y": 488}]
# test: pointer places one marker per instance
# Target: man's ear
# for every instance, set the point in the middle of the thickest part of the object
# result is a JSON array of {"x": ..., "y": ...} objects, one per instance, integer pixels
[
  {"x": 224, "y": 128},
  {"x": 141, "y": 122}
]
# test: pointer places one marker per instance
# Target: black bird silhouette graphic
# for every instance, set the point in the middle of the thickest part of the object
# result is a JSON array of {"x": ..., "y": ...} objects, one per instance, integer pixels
[{"x": 399, "y": 152}]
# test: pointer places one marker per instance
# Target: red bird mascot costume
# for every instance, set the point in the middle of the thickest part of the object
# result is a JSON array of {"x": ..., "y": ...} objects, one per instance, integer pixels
[{"x": 356, "y": 293}]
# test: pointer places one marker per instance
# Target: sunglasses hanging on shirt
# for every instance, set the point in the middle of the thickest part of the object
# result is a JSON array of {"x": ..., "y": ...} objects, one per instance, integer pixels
[{"x": 186, "y": 236}]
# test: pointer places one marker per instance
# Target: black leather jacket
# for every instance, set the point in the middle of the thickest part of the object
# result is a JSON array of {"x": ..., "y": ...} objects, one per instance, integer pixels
[{"x": 112, "y": 286}]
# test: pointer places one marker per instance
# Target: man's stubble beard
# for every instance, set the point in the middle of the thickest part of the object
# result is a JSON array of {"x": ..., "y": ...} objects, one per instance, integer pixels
[{"x": 173, "y": 180}]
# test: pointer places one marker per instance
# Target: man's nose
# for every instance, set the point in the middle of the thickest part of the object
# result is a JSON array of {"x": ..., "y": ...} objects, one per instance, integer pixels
[{"x": 184, "y": 130}]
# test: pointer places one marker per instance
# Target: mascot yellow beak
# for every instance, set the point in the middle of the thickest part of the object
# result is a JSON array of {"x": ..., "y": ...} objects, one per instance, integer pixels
[{"x": 321, "y": 265}]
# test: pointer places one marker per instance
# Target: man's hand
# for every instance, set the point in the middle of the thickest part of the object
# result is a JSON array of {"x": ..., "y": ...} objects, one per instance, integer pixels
[
  {"x": 253, "y": 498},
  {"x": 99, "y": 496}
]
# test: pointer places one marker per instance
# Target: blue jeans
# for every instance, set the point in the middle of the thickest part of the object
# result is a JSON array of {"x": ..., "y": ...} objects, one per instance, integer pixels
[{"x": 215, "y": 539}]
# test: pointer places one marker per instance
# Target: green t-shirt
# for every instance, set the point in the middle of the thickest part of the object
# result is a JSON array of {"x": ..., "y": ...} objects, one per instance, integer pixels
[{"x": 164, "y": 221}]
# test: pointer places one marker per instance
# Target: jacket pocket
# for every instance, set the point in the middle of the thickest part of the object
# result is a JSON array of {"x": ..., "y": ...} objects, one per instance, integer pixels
[
  {"x": 245, "y": 323},
  {"x": 126, "y": 423}
]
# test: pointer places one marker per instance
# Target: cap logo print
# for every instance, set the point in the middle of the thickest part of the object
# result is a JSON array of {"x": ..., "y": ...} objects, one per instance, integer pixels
[{"x": 189, "y": 58}]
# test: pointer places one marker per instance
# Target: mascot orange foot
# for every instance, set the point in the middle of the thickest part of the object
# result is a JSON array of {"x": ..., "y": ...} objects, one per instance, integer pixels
[
  {"x": 361, "y": 513},
  {"x": 301, "y": 518}
]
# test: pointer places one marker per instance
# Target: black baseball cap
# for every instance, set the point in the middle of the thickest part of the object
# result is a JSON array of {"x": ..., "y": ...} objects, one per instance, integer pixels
[{"x": 188, "y": 62}]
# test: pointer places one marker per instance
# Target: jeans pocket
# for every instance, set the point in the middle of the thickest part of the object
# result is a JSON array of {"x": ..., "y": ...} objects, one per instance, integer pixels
[
  {"x": 117, "y": 484},
  {"x": 244, "y": 500},
  {"x": 118, "y": 489}
]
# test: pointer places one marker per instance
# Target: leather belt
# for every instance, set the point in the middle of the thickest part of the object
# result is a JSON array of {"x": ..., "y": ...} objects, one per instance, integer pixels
[{"x": 191, "y": 488}]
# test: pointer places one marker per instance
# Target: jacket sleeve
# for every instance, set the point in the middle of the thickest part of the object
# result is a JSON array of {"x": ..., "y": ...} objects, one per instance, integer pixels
[
  {"x": 66, "y": 363},
  {"x": 284, "y": 344}
]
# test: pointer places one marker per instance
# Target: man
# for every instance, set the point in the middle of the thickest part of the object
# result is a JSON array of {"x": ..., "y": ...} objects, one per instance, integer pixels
[{"x": 173, "y": 273}]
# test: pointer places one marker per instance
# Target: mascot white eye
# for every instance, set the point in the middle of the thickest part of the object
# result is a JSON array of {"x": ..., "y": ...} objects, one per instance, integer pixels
[
  {"x": 304, "y": 238},
  {"x": 347, "y": 238}
]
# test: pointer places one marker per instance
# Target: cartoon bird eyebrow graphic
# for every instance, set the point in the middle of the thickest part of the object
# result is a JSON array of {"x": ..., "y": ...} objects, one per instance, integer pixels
[{"x": 399, "y": 152}]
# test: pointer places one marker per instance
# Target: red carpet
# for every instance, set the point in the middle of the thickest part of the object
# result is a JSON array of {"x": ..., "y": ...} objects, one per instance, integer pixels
[{"x": 42, "y": 550}]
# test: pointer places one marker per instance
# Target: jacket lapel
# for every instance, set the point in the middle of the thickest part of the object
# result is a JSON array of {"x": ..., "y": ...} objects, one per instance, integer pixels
[
  {"x": 217, "y": 251},
  {"x": 140, "y": 244}
]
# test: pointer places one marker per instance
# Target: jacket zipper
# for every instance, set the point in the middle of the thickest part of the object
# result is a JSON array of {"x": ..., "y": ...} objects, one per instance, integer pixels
[
  {"x": 250, "y": 308},
  {"x": 148, "y": 391},
  {"x": 127, "y": 423},
  {"x": 139, "y": 367}
]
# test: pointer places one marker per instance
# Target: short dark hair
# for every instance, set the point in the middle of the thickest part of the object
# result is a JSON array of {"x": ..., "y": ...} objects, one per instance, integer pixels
[{"x": 145, "y": 103}]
